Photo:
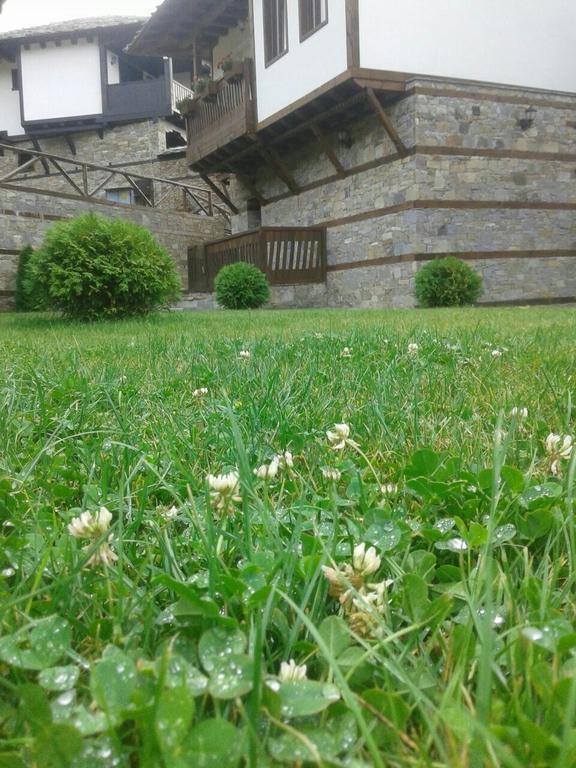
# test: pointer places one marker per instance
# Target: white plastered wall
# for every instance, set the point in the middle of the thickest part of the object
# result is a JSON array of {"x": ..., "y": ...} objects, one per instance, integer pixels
[
  {"x": 61, "y": 82},
  {"x": 308, "y": 65},
  {"x": 528, "y": 43},
  {"x": 9, "y": 101}
]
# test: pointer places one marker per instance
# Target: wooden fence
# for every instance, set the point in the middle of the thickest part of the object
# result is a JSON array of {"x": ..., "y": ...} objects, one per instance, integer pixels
[{"x": 286, "y": 255}]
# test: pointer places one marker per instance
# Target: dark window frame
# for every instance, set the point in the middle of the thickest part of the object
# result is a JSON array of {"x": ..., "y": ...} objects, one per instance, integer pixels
[
  {"x": 305, "y": 12},
  {"x": 15, "y": 74},
  {"x": 270, "y": 57}
]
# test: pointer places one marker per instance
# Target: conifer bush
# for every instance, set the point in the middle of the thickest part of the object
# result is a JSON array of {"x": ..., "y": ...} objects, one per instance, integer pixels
[
  {"x": 93, "y": 267},
  {"x": 24, "y": 299},
  {"x": 447, "y": 282},
  {"x": 241, "y": 286}
]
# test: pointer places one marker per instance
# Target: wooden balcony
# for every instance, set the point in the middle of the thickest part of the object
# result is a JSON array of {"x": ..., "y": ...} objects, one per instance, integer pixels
[
  {"x": 224, "y": 113},
  {"x": 286, "y": 255}
]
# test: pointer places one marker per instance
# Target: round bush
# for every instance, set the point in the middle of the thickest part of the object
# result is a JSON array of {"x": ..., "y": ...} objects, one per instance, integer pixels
[
  {"x": 93, "y": 267},
  {"x": 447, "y": 282},
  {"x": 241, "y": 286}
]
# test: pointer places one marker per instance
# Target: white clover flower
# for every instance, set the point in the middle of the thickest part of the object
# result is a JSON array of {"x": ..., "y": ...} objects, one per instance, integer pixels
[
  {"x": 556, "y": 445},
  {"x": 199, "y": 393},
  {"x": 365, "y": 561},
  {"x": 332, "y": 475},
  {"x": 290, "y": 672},
  {"x": 339, "y": 437},
  {"x": 366, "y": 608},
  {"x": 245, "y": 354},
  {"x": 224, "y": 491},
  {"x": 520, "y": 413},
  {"x": 413, "y": 348},
  {"x": 389, "y": 489},
  {"x": 496, "y": 353},
  {"x": 346, "y": 352},
  {"x": 268, "y": 471},
  {"x": 90, "y": 525},
  {"x": 558, "y": 448},
  {"x": 168, "y": 513},
  {"x": 103, "y": 555},
  {"x": 285, "y": 460}
]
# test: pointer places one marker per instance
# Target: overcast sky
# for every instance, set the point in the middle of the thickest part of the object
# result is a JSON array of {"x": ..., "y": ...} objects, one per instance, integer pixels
[{"x": 31, "y": 13}]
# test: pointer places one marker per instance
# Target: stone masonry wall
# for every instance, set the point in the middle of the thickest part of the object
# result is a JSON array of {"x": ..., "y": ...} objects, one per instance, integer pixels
[
  {"x": 137, "y": 147},
  {"x": 479, "y": 181},
  {"x": 25, "y": 218}
]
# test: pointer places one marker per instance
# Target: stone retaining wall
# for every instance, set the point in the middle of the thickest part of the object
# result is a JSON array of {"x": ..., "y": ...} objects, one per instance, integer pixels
[{"x": 25, "y": 218}]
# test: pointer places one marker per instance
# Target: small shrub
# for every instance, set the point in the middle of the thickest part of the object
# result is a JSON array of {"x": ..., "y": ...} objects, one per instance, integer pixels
[
  {"x": 241, "y": 286},
  {"x": 92, "y": 267},
  {"x": 24, "y": 299},
  {"x": 447, "y": 282}
]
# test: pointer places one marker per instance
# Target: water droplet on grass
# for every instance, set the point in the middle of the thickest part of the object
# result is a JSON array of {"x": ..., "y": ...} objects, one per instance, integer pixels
[{"x": 445, "y": 524}]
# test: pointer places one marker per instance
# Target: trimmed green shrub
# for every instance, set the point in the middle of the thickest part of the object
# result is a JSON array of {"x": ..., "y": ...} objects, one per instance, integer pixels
[
  {"x": 447, "y": 282},
  {"x": 241, "y": 286},
  {"x": 25, "y": 300},
  {"x": 93, "y": 267}
]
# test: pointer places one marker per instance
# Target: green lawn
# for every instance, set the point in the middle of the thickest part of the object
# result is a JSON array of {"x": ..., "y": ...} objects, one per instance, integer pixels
[{"x": 154, "y": 638}]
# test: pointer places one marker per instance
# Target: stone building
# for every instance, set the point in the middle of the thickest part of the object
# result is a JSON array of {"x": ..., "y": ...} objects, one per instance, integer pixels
[
  {"x": 69, "y": 90},
  {"x": 407, "y": 131}
]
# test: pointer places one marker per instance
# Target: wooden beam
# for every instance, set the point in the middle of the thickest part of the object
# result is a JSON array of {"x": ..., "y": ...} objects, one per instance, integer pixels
[
  {"x": 217, "y": 191},
  {"x": 70, "y": 141},
  {"x": 271, "y": 157},
  {"x": 249, "y": 184},
  {"x": 328, "y": 150},
  {"x": 353, "y": 33},
  {"x": 387, "y": 123},
  {"x": 38, "y": 148}
]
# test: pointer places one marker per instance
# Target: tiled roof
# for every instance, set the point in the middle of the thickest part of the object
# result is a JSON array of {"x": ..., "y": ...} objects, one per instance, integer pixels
[{"x": 73, "y": 27}]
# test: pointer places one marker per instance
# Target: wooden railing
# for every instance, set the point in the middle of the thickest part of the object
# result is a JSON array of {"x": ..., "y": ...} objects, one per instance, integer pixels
[
  {"x": 286, "y": 255},
  {"x": 180, "y": 93},
  {"x": 81, "y": 180},
  {"x": 224, "y": 113}
]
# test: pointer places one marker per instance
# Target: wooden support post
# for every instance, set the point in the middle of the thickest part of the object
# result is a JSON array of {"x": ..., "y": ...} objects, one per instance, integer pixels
[
  {"x": 386, "y": 122},
  {"x": 67, "y": 176},
  {"x": 38, "y": 148},
  {"x": 216, "y": 189},
  {"x": 70, "y": 141},
  {"x": 272, "y": 158},
  {"x": 328, "y": 150}
]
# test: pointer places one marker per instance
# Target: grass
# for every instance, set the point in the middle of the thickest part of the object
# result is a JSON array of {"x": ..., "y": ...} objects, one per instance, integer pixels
[{"x": 169, "y": 655}]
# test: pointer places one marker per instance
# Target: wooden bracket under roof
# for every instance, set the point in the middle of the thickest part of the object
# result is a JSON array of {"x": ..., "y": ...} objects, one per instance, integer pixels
[
  {"x": 386, "y": 122},
  {"x": 328, "y": 150},
  {"x": 219, "y": 192},
  {"x": 273, "y": 160}
]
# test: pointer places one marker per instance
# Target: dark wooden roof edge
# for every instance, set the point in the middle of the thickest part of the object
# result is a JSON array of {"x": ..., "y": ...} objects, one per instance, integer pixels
[{"x": 170, "y": 29}]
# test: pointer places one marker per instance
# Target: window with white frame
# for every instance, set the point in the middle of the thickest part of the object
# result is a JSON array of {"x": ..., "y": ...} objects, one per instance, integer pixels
[
  {"x": 313, "y": 15},
  {"x": 275, "y": 29}
]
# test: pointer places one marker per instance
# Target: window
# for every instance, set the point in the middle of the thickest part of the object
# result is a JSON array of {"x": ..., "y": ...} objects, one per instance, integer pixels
[
  {"x": 275, "y": 30},
  {"x": 124, "y": 196},
  {"x": 23, "y": 158},
  {"x": 15, "y": 80},
  {"x": 313, "y": 15}
]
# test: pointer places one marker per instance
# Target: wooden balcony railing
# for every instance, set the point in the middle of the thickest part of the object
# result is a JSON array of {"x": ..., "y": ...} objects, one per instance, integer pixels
[
  {"x": 286, "y": 255},
  {"x": 224, "y": 113}
]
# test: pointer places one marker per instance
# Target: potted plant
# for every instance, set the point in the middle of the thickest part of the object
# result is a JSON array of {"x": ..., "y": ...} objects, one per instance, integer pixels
[{"x": 200, "y": 86}]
